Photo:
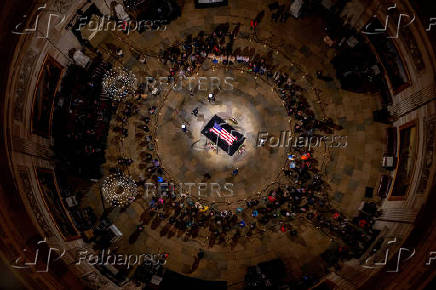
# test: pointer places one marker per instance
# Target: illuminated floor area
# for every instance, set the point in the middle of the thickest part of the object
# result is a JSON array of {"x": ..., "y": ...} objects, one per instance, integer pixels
[
  {"x": 256, "y": 107},
  {"x": 103, "y": 154},
  {"x": 303, "y": 53}
]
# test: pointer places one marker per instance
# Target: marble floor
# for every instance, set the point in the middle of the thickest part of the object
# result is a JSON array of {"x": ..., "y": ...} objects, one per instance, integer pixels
[
  {"x": 250, "y": 107},
  {"x": 297, "y": 47}
]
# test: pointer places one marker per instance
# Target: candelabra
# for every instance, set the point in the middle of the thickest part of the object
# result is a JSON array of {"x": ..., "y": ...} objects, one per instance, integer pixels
[
  {"x": 119, "y": 190},
  {"x": 118, "y": 83}
]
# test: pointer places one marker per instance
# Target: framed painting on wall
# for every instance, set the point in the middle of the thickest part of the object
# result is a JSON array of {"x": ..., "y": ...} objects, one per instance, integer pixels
[
  {"x": 406, "y": 161},
  {"x": 53, "y": 201},
  {"x": 44, "y": 95}
]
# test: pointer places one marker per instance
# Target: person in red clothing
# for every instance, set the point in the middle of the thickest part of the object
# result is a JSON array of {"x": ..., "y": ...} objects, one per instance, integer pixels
[
  {"x": 253, "y": 24},
  {"x": 271, "y": 198},
  {"x": 305, "y": 156},
  {"x": 255, "y": 21}
]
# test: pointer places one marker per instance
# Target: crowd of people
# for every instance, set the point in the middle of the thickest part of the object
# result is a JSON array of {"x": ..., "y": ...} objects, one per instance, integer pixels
[
  {"x": 81, "y": 126},
  {"x": 303, "y": 196},
  {"x": 81, "y": 122}
]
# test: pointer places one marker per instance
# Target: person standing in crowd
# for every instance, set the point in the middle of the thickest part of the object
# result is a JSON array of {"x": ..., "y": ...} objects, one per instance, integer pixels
[
  {"x": 256, "y": 20},
  {"x": 195, "y": 112},
  {"x": 211, "y": 98}
]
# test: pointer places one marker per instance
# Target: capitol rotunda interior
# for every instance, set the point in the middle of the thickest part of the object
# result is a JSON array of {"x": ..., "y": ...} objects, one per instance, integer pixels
[{"x": 218, "y": 144}]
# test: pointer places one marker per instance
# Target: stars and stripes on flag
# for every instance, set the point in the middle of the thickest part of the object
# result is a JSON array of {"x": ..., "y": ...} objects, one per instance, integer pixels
[{"x": 223, "y": 134}]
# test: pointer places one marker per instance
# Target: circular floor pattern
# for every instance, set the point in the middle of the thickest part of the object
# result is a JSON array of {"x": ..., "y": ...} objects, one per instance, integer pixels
[
  {"x": 250, "y": 107},
  {"x": 222, "y": 261}
]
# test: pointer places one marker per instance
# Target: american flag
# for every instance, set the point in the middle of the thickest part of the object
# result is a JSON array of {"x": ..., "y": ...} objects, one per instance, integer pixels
[
  {"x": 223, "y": 134},
  {"x": 217, "y": 131}
]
